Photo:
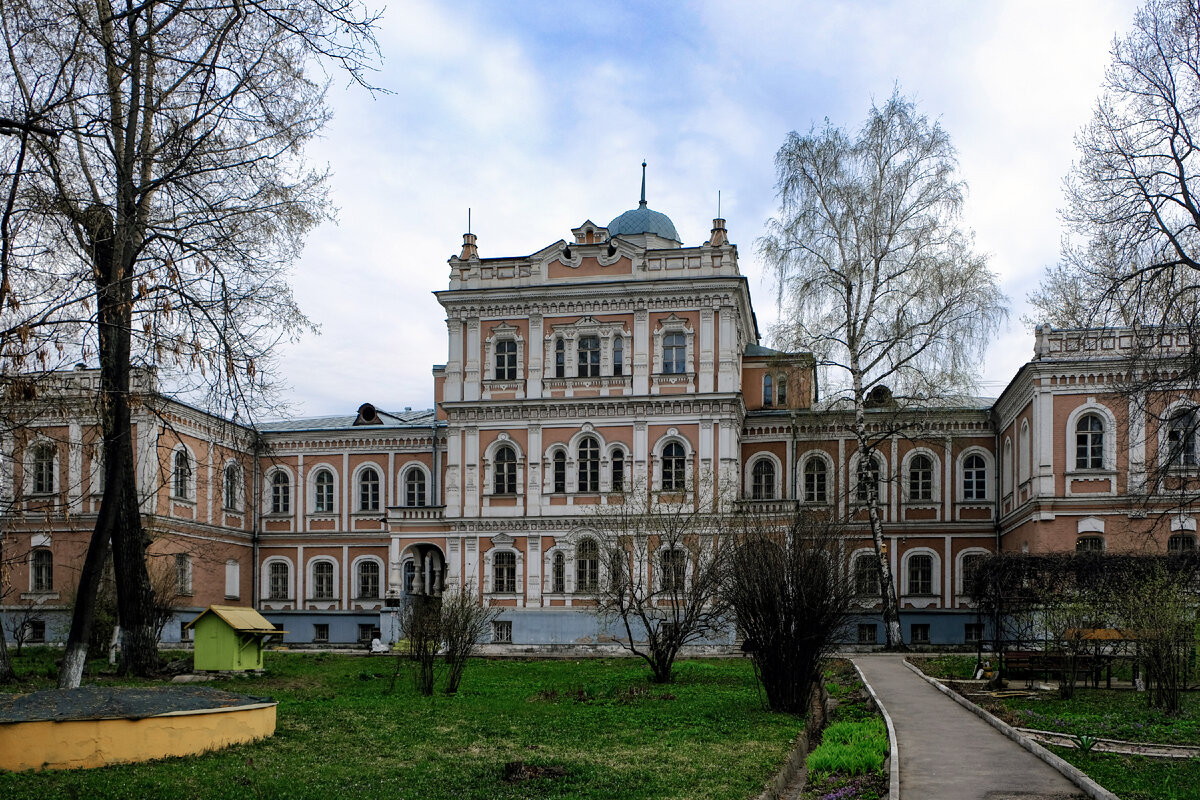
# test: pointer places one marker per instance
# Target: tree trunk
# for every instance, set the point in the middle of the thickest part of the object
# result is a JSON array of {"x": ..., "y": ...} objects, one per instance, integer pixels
[
  {"x": 887, "y": 587},
  {"x": 6, "y": 670},
  {"x": 70, "y": 675}
]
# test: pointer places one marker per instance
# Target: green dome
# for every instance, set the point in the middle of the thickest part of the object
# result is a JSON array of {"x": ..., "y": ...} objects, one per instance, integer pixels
[{"x": 643, "y": 220}]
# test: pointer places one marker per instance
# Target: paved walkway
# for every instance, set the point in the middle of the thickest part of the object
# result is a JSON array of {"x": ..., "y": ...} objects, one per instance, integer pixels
[{"x": 948, "y": 753}]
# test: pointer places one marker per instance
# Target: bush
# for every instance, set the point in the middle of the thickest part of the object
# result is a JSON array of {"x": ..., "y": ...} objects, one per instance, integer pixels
[{"x": 852, "y": 748}]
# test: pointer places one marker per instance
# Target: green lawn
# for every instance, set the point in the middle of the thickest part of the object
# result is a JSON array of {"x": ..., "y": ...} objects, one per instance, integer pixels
[
  {"x": 1104, "y": 713},
  {"x": 1138, "y": 778},
  {"x": 598, "y": 726},
  {"x": 948, "y": 666}
]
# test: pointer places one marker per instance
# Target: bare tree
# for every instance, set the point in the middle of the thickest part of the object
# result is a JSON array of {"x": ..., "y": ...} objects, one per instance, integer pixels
[
  {"x": 421, "y": 623},
  {"x": 877, "y": 277},
  {"x": 663, "y": 564},
  {"x": 167, "y": 210},
  {"x": 792, "y": 594},
  {"x": 465, "y": 623}
]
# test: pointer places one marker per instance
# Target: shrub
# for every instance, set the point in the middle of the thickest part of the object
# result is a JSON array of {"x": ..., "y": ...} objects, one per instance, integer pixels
[{"x": 852, "y": 748}]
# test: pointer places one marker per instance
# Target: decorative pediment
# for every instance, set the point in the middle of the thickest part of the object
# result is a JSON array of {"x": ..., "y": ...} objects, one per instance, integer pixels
[
  {"x": 504, "y": 330},
  {"x": 502, "y": 540}
]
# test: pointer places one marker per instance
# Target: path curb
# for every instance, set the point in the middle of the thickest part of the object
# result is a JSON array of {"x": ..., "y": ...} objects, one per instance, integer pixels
[
  {"x": 1089, "y": 786},
  {"x": 893, "y": 746}
]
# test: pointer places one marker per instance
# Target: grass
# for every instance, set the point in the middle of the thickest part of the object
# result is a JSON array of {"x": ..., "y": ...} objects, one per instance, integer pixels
[
  {"x": 848, "y": 763},
  {"x": 1136, "y": 777},
  {"x": 949, "y": 666},
  {"x": 583, "y": 729},
  {"x": 1104, "y": 713}
]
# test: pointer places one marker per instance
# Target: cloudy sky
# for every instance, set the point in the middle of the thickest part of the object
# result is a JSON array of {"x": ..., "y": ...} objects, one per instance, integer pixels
[{"x": 537, "y": 116}]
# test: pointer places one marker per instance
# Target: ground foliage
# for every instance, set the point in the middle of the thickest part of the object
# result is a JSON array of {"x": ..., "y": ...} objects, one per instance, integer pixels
[
  {"x": 1137, "y": 777},
  {"x": 848, "y": 762},
  {"x": 1105, "y": 713},
  {"x": 580, "y": 729}
]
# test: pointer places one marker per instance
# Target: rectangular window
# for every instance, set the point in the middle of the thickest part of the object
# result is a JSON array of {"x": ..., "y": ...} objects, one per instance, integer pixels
[
  {"x": 589, "y": 357},
  {"x": 973, "y": 632},
  {"x": 321, "y": 632},
  {"x": 367, "y": 632},
  {"x": 506, "y": 360},
  {"x": 674, "y": 354},
  {"x": 233, "y": 580},
  {"x": 920, "y": 634},
  {"x": 183, "y": 574},
  {"x": 322, "y": 573},
  {"x": 866, "y": 633},
  {"x": 37, "y": 630},
  {"x": 502, "y": 631}
]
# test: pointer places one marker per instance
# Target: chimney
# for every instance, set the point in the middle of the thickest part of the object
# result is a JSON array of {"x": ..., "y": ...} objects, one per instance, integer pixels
[
  {"x": 719, "y": 236},
  {"x": 469, "y": 250}
]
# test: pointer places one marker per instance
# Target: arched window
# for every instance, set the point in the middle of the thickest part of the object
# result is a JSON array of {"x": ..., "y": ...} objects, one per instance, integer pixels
[
  {"x": 1089, "y": 544},
  {"x": 618, "y": 356},
  {"x": 43, "y": 469},
  {"x": 618, "y": 470},
  {"x": 182, "y": 475},
  {"x": 674, "y": 353},
  {"x": 368, "y": 579},
  {"x": 867, "y": 483},
  {"x": 768, "y": 391},
  {"x": 368, "y": 490},
  {"x": 1181, "y": 543},
  {"x": 587, "y": 566},
  {"x": 589, "y": 464},
  {"x": 1024, "y": 453},
  {"x": 588, "y": 348},
  {"x": 1089, "y": 442},
  {"x": 558, "y": 573},
  {"x": 41, "y": 564},
  {"x": 414, "y": 484},
  {"x": 974, "y": 477},
  {"x": 672, "y": 570},
  {"x": 781, "y": 390},
  {"x": 970, "y": 568},
  {"x": 560, "y": 358},
  {"x": 673, "y": 468},
  {"x": 1181, "y": 437},
  {"x": 506, "y": 360},
  {"x": 866, "y": 576},
  {"x": 505, "y": 477},
  {"x": 233, "y": 486},
  {"x": 815, "y": 474},
  {"x": 920, "y": 478},
  {"x": 278, "y": 580},
  {"x": 559, "y": 466},
  {"x": 504, "y": 572},
  {"x": 1006, "y": 475},
  {"x": 920, "y": 574},
  {"x": 322, "y": 580},
  {"x": 410, "y": 576},
  {"x": 281, "y": 493},
  {"x": 323, "y": 494},
  {"x": 762, "y": 480}
]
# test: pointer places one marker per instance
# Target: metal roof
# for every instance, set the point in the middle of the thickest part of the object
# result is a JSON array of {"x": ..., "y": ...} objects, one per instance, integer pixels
[
  {"x": 643, "y": 220},
  {"x": 422, "y": 418},
  {"x": 240, "y": 618}
]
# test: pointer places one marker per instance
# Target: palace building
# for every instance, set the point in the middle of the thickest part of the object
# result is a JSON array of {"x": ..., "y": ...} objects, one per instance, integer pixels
[{"x": 616, "y": 358}]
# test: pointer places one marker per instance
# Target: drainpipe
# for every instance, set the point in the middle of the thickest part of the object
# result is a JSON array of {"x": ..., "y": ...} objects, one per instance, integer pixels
[{"x": 256, "y": 517}]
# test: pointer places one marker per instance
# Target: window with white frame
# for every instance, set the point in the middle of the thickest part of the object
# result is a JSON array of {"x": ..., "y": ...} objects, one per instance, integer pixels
[
  {"x": 502, "y": 631},
  {"x": 920, "y": 478},
  {"x": 281, "y": 493},
  {"x": 815, "y": 480},
  {"x": 278, "y": 580},
  {"x": 558, "y": 465},
  {"x": 672, "y": 570},
  {"x": 506, "y": 360},
  {"x": 1089, "y": 442},
  {"x": 41, "y": 569},
  {"x": 42, "y": 469},
  {"x": 587, "y": 566},
  {"x": 233, "y": 487},
  {"x": 504, "y": 572},
  {"x": 768, "y": 391},
  {"x": 867, "y": 478},
  {"x": 1089, "y": 544},
  {"x": 617, "y": 483},
  {"x": 560, "y": 358},
  {"x": 781, "y": 390},
  {"x": 589, "y": 464},
  {"x": 866, "y": 576},
  {"x": 588, "y": 349},
  {"x": 674, "y": 468},
  {"x": 674, "y": 353},
  {"x": 368, "y": 579},
  {"x": 322, "y": 580},
  {"x": 504, "y": 477},
  {"x": 974, "y": 477},
  {"x": 920, "y": 574},
  {"x": 1181, "y": 437},
  {"x": 368, "y": 489},
  {"x": 323, "y": 492},
  {"x": 181, "y": 483},
  {"x": 183, "y": 574},
  {"x": 233, "y": 579},
  {"x": 762, "y": 480},
  {"x": 414, "y": 484},
  {"x": 618, "y": 356},
  {"x": 410, "y": 576},
  {"x": 558, "y": 573}
]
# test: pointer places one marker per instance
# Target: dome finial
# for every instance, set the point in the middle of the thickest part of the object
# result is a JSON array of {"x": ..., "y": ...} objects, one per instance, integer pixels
[{"x": 643, "y": 200}]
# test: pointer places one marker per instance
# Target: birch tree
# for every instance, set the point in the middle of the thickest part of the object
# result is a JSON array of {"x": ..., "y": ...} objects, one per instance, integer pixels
[
  {"x": 162, "y": 217},
  {"x": 877, "y": 277}
]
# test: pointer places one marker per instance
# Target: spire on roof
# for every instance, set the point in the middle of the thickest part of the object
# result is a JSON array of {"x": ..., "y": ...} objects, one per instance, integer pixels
[{"x": 642, "y": 203}]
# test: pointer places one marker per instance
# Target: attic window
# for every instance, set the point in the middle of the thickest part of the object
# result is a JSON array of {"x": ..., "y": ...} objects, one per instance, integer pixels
[{"x": 367, "y": 415}]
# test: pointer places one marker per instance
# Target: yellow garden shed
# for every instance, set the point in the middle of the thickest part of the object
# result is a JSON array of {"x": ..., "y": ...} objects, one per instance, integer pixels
[{"x": 230, "y": 638}]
